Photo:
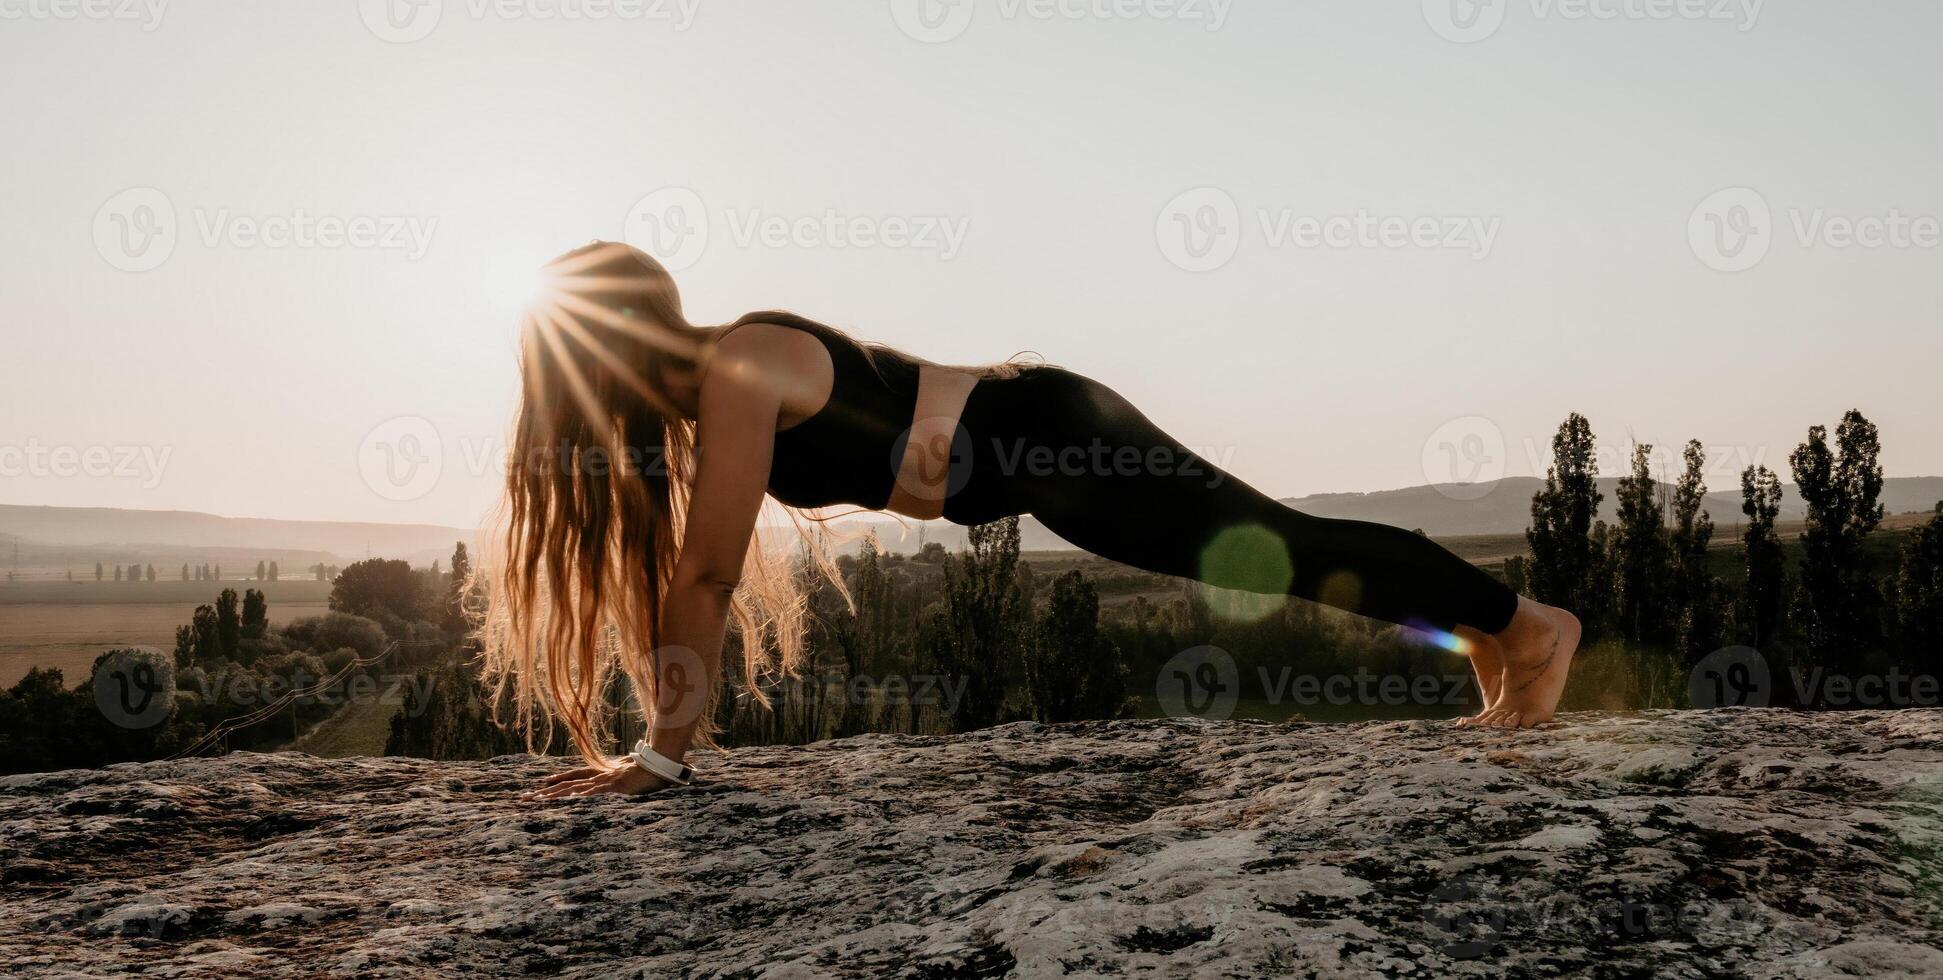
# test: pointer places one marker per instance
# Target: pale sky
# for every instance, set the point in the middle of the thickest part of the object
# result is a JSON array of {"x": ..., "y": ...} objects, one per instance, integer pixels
[{"x": 1020, "y": 179}]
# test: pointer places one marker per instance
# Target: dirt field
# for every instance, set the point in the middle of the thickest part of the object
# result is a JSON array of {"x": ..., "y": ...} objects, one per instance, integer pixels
[{"x": 57, "y": 624}]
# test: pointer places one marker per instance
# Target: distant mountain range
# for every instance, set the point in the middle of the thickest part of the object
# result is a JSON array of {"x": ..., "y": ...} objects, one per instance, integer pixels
[
  {"x": 53, "y": 535},
  {"x": 64, "y": 535},
  {"x": 1504, "y": 506},
  {"x": 1444, "y": 511}
]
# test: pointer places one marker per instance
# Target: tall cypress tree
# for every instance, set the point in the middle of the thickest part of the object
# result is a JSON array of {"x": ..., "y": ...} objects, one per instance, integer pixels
[
  {"x": 1562, "y": 513},
  {"x": 256, "y": 614},
  {"x": 1696, "y": 594},
  {"x": 1836, "y": 604},
  {"x": 1764, "y": 592},
  {"x": 1640, "y": 555},
  {"x": 207, "y": 628},
  {"x": 229, "y": 624},
  {"x": 185, "y": 647}
]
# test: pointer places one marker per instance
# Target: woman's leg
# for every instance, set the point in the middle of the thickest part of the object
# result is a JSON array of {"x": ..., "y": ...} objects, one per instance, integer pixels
[
  {"x": 1098, "y": 473},
  {"x": 1110, "y": 481}
]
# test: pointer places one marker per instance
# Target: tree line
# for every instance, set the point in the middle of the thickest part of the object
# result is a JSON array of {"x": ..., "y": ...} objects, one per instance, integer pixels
[
  {"x": 230, "y": 661},
  {"x": 266, "y": 571},
  {"x": 935, "y": 642},
  {"x": 1834, "y": 601}
]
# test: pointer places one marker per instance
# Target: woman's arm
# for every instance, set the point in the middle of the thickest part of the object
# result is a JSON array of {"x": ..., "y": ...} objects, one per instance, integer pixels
[
  {"x": 736, "y": 414},
  {"x": 735, "y": 436}
]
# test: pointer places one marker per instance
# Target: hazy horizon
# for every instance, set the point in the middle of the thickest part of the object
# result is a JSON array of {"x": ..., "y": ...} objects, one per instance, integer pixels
[{"x": 1339, "y": 246}]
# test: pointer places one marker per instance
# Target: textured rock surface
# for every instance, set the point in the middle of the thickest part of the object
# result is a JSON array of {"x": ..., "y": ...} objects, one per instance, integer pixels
[{"x": 1734, "y": 843}]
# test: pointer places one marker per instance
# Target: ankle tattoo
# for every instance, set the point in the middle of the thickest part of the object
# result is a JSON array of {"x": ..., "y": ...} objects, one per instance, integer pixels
[{"x": 1539, "y": 670}]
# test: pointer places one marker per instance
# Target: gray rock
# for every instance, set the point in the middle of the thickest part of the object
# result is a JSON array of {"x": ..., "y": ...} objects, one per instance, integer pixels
[{"x": 1679, "y": 844}]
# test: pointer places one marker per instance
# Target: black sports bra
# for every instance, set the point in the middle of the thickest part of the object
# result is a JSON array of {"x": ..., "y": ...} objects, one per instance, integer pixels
[{"x": 850, "y": 450}]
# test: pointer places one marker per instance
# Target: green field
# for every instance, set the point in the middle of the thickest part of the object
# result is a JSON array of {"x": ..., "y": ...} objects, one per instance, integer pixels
[
  {"x": 359, "y": 728},
  {"x": 67, "y": 625}
]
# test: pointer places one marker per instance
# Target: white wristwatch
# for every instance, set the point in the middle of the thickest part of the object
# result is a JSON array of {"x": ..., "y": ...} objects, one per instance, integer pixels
[{"x": 654, "y": 762}]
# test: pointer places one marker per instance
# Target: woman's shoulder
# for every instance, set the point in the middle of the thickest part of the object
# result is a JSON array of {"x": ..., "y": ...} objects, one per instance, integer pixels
[
  {"x": 757, "y": 335},
  {"x": 843, "y": 350},
  {"x": 791, "y": 363},
  {"x": 781, "y": 319}
]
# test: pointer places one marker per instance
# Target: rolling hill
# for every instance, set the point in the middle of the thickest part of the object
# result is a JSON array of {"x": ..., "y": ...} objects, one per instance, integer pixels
[
  {"x": 52, "y": 536},
  {"x": 73, "y": 535},
  {"x": 1506, "y": 506}
]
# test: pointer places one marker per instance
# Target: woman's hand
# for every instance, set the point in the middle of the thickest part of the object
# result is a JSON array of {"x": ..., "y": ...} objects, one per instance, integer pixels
[{"x": 625, "y": 777}]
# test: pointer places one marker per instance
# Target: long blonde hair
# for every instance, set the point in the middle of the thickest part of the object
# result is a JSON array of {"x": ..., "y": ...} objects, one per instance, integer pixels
[{"x": 596, "y": 499}]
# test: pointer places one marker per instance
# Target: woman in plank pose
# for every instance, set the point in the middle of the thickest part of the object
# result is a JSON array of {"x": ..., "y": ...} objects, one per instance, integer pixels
[{"x": 645, "y": 446}]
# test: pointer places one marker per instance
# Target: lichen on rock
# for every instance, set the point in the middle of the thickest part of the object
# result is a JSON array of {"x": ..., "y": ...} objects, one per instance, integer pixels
[{"x": 1735, "y": 842}]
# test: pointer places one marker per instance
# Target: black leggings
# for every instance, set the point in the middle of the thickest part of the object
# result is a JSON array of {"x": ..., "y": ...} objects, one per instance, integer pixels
[{"x": 1096, "y": 472}]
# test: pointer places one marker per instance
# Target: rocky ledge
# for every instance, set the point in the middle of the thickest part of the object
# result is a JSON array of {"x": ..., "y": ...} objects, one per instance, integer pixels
[{"x": 1742, "y": 843}]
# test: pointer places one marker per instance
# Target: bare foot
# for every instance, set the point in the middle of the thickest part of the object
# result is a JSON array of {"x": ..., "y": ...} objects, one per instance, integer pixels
[
  {"x": 1487, "y": 662},
  {"x": 1538, "y": 648}
]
